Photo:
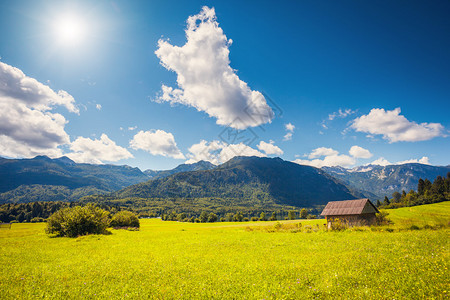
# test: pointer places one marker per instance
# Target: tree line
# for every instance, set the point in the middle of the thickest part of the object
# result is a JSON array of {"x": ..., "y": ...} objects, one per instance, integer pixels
[
  {"x": 427, "y": 193},
  {"x": 239, "y": 216},
  {"x": 39, "y": 211}
]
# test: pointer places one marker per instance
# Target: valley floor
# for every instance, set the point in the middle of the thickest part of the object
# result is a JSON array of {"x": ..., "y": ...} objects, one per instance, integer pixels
[{"x": 172, "y": 260}]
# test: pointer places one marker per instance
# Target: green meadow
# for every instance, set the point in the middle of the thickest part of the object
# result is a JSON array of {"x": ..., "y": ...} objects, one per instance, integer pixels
[{"x": 251, "y": 260}]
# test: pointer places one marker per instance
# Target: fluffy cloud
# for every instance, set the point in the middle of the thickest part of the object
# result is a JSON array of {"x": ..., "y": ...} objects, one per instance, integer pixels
[
  {"x": 289, "y": 127},
  {"x": 27, "y": 127},
  {"x": 322, "y": 151},
  {"x": 86, "y": 150},
  {"x": 16, "y": 87},
  {"x": 359, "y": 152},
  {"x": 98, "y": 106},
  {"x": 328, "y": 161},
  {"x": 269, "y": 148},
  {"x": 331, "y": 157},
  {"x": 383, "y": 162},
  {"x": 395, "y": 127},
  {"x": 290, "y": 131},
  {"x": 157, "y": 142},
  {"x": 218, "y": 152},
  {"x": 424, "y": 160},
  {"x": 205, "y": 79}
]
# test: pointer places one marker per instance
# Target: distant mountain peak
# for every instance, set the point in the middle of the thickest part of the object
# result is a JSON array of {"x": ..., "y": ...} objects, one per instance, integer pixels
[{"x": 65, "y": 160}]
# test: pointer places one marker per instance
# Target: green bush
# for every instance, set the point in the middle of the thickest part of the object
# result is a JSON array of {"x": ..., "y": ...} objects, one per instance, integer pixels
[
  {"x": 37, "y": 220},
  {"x": 382, "y": 219},
  {"x": 125, "y": 218},
  {"x": 78, "y": 220},
  {"x": 338, "y": 224}
]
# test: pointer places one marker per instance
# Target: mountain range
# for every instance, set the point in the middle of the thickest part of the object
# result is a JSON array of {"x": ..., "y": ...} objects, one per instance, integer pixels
[
  {"x": 61, "y": 179},
  {"x": 261, "y": 181},
  {"x": 248, "y": 179},
  {"x": 376, "y": 182}
]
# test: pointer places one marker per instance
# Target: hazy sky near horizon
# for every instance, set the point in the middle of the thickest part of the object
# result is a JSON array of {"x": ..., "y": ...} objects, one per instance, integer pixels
[{"x": 154, "y": 84}]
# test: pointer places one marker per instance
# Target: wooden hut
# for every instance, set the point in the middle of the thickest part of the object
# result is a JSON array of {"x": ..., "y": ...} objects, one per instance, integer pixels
[{"x": 351, "y": 212}]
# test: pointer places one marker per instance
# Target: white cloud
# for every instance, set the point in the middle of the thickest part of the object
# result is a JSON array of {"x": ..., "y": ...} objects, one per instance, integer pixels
[
  {"x": 289, "y": 127},
  {"x": 383, "y": 162},
  {"x": 290, "y": 131},
  {"x": 322, "y": 151},
  {"x": 328, "y": 161},
  {"x": 395, "y": 127},
  {"x": 218, "y": 152},
  {"x": 16, "y": 87},
  {"x": 328, "y": 157},
  {"x": 424, "y": 160},
  {"x": 340, "y": 114},
  {"x": 359, "y": 152},
  {"x": 269, "y": 148},
  {"x": 86, "y": 150},
  {"x": 98, "y": 106},
  {"x": 287, "y": 136},
  {"x": 10, "y": 147},
  {"x": 157, "y": 142},
  {"x": 132, "y": 128},
  {"x": 27, "y": 127},
  {"x": 205, "y": 79}
]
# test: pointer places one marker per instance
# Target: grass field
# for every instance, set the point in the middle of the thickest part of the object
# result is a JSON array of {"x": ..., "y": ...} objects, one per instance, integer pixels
[{"x": 171, "y": 260}]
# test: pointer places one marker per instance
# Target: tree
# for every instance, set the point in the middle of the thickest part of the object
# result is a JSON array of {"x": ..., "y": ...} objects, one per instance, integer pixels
[
  {"x": 212, "y": 218},
  {"x": 386, "y": 201},
  {"x": 262, "y": 217},
  {"x": 78, "y": 220},
  {"x": 303, "y": 213},
  {"x": 181, "y": 217},
  {"x": 427, "y": 185},
  {"x": 421, "y": 187},
  {"x": 203, "y": 217},
  {"x": 396, "y": 196},
  {"x": 229, "y": 217},
  {"x": 291, "y": 215},
  {"x": 378, "y": 203},
  {"x": 125, "y": 218},
  {"x": 238, "y": 217},
  {"x": 273, "y": 217}
]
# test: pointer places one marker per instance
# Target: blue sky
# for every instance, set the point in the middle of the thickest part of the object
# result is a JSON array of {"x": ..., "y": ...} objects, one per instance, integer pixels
[{"x": 317, "y": 82}]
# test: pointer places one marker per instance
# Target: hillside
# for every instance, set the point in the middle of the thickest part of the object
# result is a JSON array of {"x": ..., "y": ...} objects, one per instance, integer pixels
[
  {"x": 46, "y": 179},
  {"x": 429, "y": 214},
  {"x": 264, "y": 181},
  {"x": 384, "y": 180}
]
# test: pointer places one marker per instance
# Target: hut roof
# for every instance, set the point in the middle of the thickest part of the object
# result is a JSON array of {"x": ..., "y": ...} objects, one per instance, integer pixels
[{"x": 349, "y": 207}]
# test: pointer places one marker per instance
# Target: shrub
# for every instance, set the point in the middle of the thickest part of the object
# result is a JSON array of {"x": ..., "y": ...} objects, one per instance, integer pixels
[
  {"x": 337, "y": 224},
  {"x": 382, "y": 219},
  {"x": 414, "y": 227},
  {"x": 125, "y": 219},
  {"x": 254, "y": 219},
  {"x": 37, "y": 220},
  {"x": 78, "y": 220}
]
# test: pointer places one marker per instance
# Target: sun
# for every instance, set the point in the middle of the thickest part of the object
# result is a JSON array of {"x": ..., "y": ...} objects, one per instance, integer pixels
[{"x": 70, "y": 30}]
